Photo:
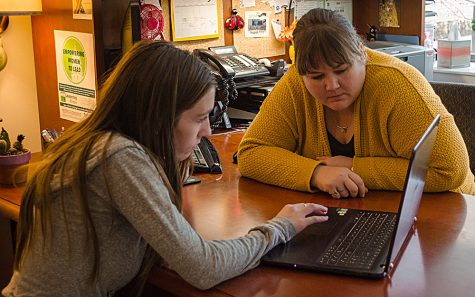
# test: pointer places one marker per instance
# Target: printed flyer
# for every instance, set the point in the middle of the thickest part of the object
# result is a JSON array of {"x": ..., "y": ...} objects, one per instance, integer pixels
[{"x": 76, "y": 74}]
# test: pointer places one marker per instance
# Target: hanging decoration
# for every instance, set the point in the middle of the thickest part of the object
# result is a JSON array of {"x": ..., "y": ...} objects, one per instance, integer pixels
[
  {"x": 3, "y": 56},
  {"x": 371, "y": 34},
  {"x": 234, "y": 22},
  {"x": 4, "y": 20}
]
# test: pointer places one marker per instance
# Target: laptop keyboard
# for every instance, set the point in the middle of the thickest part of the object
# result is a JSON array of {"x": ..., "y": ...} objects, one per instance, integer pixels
[{"x": 362, "y": 244}]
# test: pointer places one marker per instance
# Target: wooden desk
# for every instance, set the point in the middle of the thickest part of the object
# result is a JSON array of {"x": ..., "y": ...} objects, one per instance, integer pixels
[
  {"x": 438, "y": 260},
  {"x": 10, "y": 199},
  {"x": 10, "y": 196}
]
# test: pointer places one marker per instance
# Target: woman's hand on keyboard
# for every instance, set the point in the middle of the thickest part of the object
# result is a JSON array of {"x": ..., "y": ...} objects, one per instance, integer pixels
[{"x": 300, "y": 215}]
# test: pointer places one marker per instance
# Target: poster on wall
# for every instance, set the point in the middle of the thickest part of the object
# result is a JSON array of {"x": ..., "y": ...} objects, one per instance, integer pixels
[
  {"x": 257, "y": 24},
  {"x": 76, "y": 74},
  {"x": 389, "y": 11},
  {"x": 82, "y": 9}
]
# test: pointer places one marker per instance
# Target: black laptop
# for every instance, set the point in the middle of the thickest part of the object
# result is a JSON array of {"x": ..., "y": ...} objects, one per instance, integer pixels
[{"x": 360, "y": 242}]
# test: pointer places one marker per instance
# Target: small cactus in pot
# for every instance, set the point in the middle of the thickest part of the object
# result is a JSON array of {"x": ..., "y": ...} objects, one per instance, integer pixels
[
  {"x": 12, "y": 159},
  {"x": 6, "y": 149}
]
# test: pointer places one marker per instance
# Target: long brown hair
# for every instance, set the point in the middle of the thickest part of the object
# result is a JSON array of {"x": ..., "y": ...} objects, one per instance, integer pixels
[
  {"x": 325, "y": 37},
  {"x": 142, "y": 98}
]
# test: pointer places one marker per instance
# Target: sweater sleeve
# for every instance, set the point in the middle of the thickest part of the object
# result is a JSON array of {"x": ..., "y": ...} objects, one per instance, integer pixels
[
  {"x": 271, "y": 150},
  {"x": 401, "y": 123},
  {"x": 141, "y": 197}
]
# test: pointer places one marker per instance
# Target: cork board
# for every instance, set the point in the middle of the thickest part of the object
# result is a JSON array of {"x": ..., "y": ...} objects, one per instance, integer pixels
[
  {"x": 262, "y": 46},
  {"x": 192, "y": 44}
]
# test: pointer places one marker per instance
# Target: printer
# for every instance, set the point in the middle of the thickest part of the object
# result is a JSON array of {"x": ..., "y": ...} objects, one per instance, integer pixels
[
  {"x": 248, "y": 102},
  {"x": 418, "y": 56}
]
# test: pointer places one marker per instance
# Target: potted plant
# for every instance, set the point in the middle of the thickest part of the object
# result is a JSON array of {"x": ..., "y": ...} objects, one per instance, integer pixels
[{"x": 13, "y": 158}]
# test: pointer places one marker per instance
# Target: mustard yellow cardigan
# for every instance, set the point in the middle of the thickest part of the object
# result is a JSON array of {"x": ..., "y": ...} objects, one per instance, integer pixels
[{"x": 394, "y": 108}]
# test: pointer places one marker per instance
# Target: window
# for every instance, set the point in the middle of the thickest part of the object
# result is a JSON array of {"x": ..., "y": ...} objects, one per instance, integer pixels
[{"x": 440, "y": 15}]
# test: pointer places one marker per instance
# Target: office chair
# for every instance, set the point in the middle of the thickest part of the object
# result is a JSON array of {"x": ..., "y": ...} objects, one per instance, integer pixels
[{"x": 459, "y": 99}]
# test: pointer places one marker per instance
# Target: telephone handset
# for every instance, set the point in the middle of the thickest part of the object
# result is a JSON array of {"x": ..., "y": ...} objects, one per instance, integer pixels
[
  {"x": 225, "y": 88},
  {"x": 212, "y": 59},
  {"x": 206, "y": 158}
]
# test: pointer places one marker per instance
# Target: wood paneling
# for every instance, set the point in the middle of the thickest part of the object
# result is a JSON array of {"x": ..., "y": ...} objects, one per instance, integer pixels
[
  {"x": 57, "y": 15},
  {"x": 228, "y": 34},
  {"x": 107, "y": 24},
  {"x": 108, "y": 18},
  {"x": 411, "y": 18}
]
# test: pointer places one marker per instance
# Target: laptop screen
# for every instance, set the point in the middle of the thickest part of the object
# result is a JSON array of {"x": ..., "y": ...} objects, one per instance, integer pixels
[{"x": 413, "y": 188}]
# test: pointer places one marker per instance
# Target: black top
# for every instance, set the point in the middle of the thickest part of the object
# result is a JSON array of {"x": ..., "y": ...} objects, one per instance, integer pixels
[{"x": 340, "y": 149}]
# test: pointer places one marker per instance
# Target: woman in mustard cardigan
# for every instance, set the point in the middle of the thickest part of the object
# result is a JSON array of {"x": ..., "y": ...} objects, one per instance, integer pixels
[{"x": 344, "y": 119}]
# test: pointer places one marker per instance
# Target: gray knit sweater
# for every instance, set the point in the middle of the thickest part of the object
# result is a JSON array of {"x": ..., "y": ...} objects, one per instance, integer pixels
[{"x": 133, "y": 210}]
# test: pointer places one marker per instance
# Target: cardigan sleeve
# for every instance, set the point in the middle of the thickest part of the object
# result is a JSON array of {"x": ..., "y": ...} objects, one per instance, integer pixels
[
  {"x": 408, "y": 106},
  {"x": 268, "y": 150}
]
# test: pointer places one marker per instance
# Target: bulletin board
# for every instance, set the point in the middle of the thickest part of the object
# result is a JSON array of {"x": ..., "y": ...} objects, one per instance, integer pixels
[
  {"x": 261, "y": 46},
  {"x": 256, "y": 47}
]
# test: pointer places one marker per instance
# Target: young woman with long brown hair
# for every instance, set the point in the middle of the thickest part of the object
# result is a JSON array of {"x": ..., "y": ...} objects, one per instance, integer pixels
[{"x": 105, "y": 203}]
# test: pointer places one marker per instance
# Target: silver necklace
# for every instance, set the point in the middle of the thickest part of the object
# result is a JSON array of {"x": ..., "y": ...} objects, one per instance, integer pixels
[{"x": 343, "y": 129}]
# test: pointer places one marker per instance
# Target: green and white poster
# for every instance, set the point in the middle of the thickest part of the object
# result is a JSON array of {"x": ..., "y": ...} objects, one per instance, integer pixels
[{"x": 76, "y": 74}]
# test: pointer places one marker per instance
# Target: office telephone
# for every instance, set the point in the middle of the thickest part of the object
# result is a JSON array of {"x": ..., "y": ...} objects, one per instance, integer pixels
[
  {"x": 237, "y": 65},
  {"x": 206, "y": 158},
  {"x": 225, "y": 88},
  {"x": 226, "y": 65}
]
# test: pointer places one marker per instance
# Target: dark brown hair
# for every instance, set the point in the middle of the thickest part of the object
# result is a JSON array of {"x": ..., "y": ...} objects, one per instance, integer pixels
[
  {"x": 142, "y": 99},
  {"x": 325, "y": 37}
]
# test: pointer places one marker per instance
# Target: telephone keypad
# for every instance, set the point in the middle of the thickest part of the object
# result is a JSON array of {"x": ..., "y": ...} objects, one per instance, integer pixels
[{"x": 198, "y": 158}]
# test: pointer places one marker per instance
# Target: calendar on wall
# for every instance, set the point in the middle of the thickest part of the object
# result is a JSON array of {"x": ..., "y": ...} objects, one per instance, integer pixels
[{"x": 194, "y": 19}]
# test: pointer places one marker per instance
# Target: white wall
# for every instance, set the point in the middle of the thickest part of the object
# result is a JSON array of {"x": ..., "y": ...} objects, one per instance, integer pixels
[
  {"x": 468, "y": 78},
  {"x": 18, "y": 99},
  {"x": 458, "y": 75}
]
